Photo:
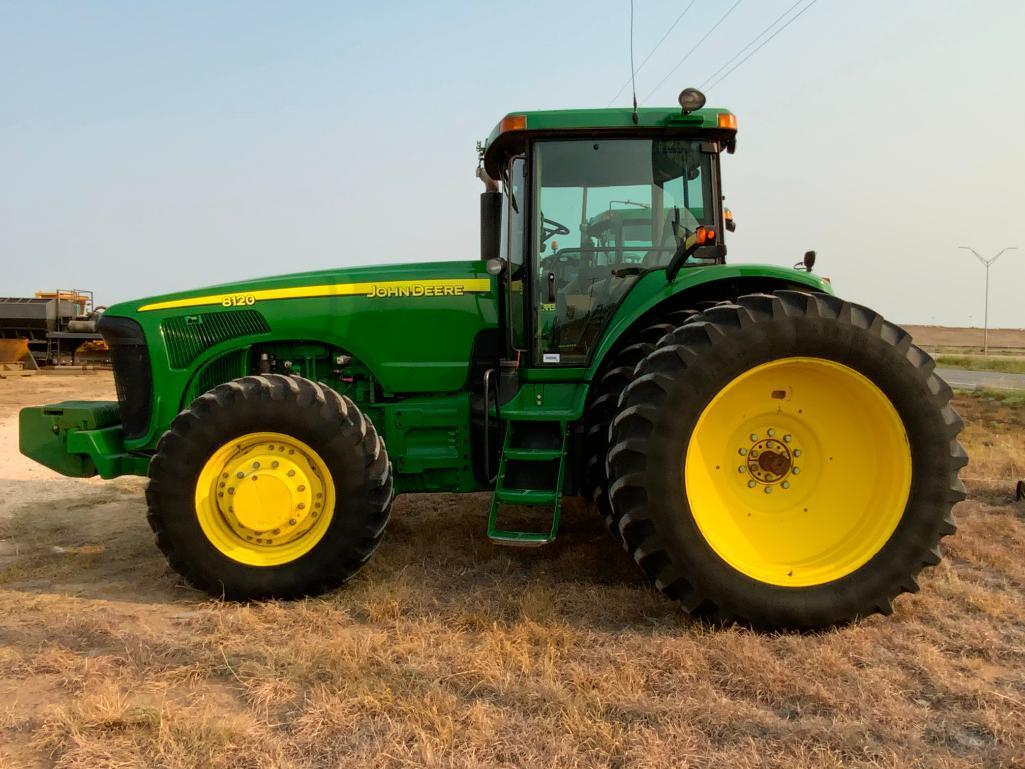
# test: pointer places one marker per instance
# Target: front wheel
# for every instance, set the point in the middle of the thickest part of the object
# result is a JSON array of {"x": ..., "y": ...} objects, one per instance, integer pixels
[
  {"x": 269, "y": 486},
  {"x": 789, "y": 460}
]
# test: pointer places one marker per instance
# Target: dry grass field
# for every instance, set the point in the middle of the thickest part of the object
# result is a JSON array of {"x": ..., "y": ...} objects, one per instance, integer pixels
[
  {"x": 953, "y": 338},
  {"x": 449, "y": 652}
]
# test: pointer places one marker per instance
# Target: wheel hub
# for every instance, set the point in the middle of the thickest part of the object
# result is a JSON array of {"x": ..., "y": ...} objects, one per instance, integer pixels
[
  {"x": 265, "y": 498},
  {"x": 270, "y": 493},
  {"x": 769, "y": 461}
]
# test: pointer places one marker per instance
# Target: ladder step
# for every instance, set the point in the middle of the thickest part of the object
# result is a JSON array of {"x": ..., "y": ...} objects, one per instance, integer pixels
[
  {"x": 519, "y": 538},
  {"x": 533, "y": 455},
  {"x": 527, "y": 496}
]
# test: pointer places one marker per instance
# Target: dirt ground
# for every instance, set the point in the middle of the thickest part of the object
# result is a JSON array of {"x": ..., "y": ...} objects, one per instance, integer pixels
[
  {"x": 949, "y": 337},
  {"x": 449, "y": 652}
]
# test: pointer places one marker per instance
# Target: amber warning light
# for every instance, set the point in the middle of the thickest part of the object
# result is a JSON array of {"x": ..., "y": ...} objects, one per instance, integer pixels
[
  {"x": 515, "y": 123},
  {"x": 704, "y": 236}
]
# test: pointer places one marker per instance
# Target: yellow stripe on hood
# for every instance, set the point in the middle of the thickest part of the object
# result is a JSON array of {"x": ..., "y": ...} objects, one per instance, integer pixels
[{"x": 371, "y": 290}]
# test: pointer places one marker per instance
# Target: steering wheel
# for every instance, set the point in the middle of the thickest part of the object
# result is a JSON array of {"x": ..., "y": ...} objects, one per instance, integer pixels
[{"x": 550, "y": 227}]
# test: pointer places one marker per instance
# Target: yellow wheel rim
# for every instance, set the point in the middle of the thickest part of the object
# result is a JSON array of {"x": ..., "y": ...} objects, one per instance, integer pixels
[
  {"x": 265, "y": 499},
  {"x": 798, "y": 471}
]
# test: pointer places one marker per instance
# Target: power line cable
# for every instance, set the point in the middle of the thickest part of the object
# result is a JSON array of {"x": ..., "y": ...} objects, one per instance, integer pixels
[
  {"x": 651, "y": 52},
  {"x": 763, "y": 44},
  {"x": 691, "y": 51},
  {"x": 756, "y": 39}
]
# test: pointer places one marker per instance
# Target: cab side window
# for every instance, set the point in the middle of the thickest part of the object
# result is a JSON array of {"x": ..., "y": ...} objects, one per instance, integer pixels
[{"x": 606, "y": 212}]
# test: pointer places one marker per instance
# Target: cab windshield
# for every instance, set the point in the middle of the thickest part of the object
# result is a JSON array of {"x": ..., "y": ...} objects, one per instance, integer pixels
[{"x": 607, "y": 211}]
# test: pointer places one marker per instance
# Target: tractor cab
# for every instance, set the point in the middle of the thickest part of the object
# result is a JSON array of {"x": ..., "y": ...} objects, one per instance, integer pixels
[
  {"x": 590, "y": 204},
  {"x": 583, "y": 207}
]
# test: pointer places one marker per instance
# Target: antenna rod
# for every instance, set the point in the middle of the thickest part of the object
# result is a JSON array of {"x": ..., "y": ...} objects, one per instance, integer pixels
[{"x": 633, "y": 72}]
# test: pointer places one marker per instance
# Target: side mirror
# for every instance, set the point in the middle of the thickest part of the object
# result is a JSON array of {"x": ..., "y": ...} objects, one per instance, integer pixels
[
  {"x": 807, "y": 263},
  {"x": 490, "y": 224}
]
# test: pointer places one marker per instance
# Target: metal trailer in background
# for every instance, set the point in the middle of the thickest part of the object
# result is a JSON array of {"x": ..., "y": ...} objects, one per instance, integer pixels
[{"x": 54, "y": 324}]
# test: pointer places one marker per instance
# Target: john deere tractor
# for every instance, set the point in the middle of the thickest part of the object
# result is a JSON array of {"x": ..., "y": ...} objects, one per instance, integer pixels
[{"x": 765, "y": 451}]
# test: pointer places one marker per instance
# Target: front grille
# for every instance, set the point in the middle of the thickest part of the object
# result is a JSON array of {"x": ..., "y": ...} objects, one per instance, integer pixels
[
  {"x": 186, "y": 336},
  {"x": 133, "y": 378}
]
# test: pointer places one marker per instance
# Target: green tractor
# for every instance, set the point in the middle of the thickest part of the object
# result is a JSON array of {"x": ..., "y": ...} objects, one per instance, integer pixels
[{"x": 766, "y": 452}]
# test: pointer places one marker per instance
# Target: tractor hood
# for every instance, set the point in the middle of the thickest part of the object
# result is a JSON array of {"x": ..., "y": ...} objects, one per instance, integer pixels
[{"x": 394, "y": 280}]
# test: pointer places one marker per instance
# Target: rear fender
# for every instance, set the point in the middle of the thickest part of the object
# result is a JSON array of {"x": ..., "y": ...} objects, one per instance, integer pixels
[{"x": 651, "y": 295}]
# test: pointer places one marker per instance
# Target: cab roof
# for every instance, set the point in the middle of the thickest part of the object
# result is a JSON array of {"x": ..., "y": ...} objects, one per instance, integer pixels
[{"x": 517, "y": 126}]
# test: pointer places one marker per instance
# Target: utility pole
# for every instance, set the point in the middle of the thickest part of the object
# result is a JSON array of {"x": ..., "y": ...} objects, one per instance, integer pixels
[{"x": 987, "y": 263}]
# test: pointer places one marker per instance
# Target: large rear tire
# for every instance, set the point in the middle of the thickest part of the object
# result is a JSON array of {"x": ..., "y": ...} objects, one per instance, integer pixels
[
  {"x": 269, "y": 486},
  {"x": 787, "y": 461},
  {"x": 604, "y": 400}
]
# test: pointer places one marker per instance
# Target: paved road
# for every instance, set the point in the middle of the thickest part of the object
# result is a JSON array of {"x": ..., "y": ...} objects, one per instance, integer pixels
[{"x": 969, "y": 380}]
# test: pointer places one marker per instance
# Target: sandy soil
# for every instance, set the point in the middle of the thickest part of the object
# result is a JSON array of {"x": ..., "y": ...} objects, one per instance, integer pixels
[{"x": 449, "y": 652}]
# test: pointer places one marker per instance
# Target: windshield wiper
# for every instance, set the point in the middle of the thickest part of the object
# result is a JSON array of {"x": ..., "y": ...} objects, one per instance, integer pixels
[{"x": 509, "y": 189}]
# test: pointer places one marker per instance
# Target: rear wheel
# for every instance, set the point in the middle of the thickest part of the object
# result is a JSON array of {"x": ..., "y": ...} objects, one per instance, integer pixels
[
  {"x": 269, "y": 486},
  {"x": 787, "y": 461},
  {"x": 605, "y": 401}
]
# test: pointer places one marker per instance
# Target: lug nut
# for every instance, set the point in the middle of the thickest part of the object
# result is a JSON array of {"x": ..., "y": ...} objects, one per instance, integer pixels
[
  {"x": 274, "y": 463},
  {"x": 301, "y": 506},
  {"x": 797, "y": 452},
  {"x": 768, "y": 489},
  {"x": 256, "y": 465},
  {"x": 742, "y": 469},
  {"x": 291, "y": 521},
  {"x": 786, "y": 484},
  {"x": 291, "y": 473},
  {"x": 771, "y": 432},
  {"x": 301, "y": 488},
  {"x": 751, "y": 484},
  {"x": 754, "y": 436},
  {"x": 797, "y": 471},
  {"x": 787, "y": 438},
  {"x": 742, "y": 452},
  {"x": 240, "y": 474}
]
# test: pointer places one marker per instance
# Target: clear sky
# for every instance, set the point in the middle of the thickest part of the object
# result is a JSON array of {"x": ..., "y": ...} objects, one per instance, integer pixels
[{"x": 148, "y": 147}]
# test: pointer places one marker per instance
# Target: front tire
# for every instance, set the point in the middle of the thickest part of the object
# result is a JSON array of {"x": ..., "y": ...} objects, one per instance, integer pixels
[
  {"x": 789, "y": 460},
  {"x": 269, "y": 486}
]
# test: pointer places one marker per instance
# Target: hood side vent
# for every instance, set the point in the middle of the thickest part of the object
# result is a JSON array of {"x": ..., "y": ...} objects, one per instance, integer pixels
[{"x": 186, "y": 336}]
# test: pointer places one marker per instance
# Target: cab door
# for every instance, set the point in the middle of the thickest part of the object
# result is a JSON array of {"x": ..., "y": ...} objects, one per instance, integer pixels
[{"x": 513, "y": 250}]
